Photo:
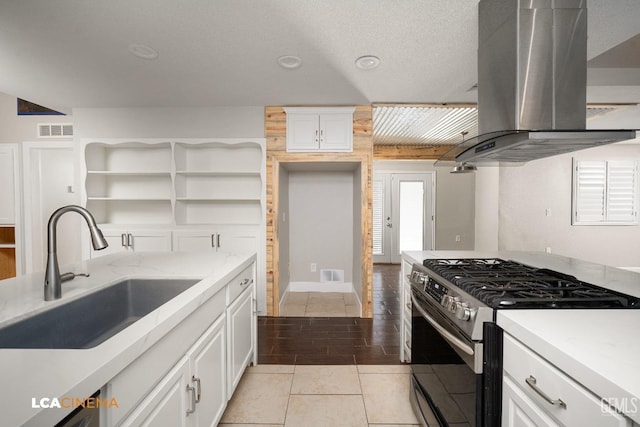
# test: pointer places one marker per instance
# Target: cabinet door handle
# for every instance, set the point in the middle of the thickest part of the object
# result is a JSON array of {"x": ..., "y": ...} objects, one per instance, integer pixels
[
  {"x": 213, "y": 240},
  {"x": 192, "y": 390},
  {"x": 532, "y": 382},
  {"x": 130, "y": 240},
  {"x": 321, "y": 134},
  {"x": 123, "y": 240},
  {"x": 198, "y": 387},
  {"x": 246, "y": 282},
  {"x": 218, "y": 240}
]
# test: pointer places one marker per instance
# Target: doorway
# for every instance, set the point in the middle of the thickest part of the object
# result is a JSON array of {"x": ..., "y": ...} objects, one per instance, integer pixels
[
  {"x": 403, "y": 214},
  {"x": 49, "y": 183}
]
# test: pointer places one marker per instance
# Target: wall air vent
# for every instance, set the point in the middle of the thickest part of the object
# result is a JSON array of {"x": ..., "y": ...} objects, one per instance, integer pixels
[{"x": 55, "y": 130}]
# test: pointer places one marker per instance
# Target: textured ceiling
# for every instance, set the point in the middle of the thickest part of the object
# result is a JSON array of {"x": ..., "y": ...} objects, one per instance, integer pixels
[{"x": 70, "y": 53}]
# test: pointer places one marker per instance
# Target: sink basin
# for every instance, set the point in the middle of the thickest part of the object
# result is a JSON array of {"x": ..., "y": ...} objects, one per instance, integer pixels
[{"x": 91, "y": 320}]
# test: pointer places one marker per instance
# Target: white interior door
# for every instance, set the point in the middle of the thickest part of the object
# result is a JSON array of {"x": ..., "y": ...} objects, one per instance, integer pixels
[
  {"x": 49, "y": 182},
  {"x": 403, "y": 214}
]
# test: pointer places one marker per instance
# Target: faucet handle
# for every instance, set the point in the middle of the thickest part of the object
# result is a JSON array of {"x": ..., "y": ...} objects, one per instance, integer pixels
[{"x": 64, "y": 277}]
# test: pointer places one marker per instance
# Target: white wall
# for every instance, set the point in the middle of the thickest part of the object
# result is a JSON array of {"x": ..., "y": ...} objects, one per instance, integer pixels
[
  {"x": 486, "y": 209},
  {"x": 220, "y": 122},
  {"x": 320, "y": 223},
  {"x": 526, "y": 192}
]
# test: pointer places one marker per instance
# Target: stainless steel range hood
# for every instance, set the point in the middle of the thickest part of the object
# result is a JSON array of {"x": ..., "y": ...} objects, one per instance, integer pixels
[{"x": 532, "y": 74}]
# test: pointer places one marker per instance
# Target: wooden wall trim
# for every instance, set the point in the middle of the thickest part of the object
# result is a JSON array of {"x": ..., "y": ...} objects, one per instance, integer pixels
[
  {"x": 275, "y": 133},
  {"x": 409, "y": 152}
]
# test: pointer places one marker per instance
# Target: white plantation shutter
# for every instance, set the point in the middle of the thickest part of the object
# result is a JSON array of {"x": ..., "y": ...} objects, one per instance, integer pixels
[
  {"x": 605, "y": 192},
  {"x": 591, "y": 188},
  {"x": 378, "y": 217},
  {"x": 621, "y": 191}
]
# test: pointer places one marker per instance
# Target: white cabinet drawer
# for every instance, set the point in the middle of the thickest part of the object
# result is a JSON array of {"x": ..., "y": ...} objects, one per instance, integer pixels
[
  {"x": 239, "y": 283},
  {"x": 582, "y": 408}
]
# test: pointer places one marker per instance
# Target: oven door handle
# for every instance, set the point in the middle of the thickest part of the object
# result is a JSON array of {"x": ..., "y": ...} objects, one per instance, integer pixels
[{"x": 445, "y": 334}]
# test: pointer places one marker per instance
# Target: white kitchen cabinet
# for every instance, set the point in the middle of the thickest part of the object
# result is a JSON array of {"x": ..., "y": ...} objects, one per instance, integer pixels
[
  {"x": 240, "y": 240},
  {"x": 319, "y": 129},
  {"x": 193, "y": 393},
  {"x": 208, "y": 376},
  {"x": 536, "y": 393},
  {"x": 167, "y": 404},
  {"x": 133, "y": 240},
  {"x": 204, "y": 358},
  {"x": 240, "y": 320}
]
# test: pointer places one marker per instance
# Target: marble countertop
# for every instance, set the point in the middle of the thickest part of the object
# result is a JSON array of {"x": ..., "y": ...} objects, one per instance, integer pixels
[
  {"x": 597, "y": 348},
  {"x": 43, "y": 373}
]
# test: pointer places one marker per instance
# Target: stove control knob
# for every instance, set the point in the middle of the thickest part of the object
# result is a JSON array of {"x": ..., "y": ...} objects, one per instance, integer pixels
[
  {"x": 453, "y": 305},
  {"x": 446, "y": 301},
  {"x": 463, "y": 312}
]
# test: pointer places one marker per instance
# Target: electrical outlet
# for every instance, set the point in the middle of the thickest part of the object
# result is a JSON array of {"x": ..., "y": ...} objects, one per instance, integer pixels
[
  {"x": 314, "y": 267},
  {"x": 457, "y": 237}
]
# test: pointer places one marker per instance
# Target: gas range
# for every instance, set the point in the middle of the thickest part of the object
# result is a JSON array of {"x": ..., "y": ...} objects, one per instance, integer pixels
[{"x": 468, "y": 291}]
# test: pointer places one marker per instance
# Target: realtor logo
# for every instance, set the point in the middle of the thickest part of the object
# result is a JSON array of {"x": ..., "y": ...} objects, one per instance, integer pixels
[
  {"x": 625, "y": 405},
  {"x": 73, "y": 402}
]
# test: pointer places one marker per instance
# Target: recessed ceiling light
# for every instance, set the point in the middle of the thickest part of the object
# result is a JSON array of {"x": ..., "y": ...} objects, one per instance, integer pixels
[
  {"x": 143, "y": 51},
  {"x": 368, "y": 62},
  {"x": 290, "y": 62}
]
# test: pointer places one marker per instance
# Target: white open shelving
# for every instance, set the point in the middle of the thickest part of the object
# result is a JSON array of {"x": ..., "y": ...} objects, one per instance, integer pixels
[
  {"x": 180, "y": 195},
  {"x": 175, "y": 183}
]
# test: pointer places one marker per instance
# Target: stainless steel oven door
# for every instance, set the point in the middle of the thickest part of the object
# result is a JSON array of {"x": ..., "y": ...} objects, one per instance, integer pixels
[{"x": 446, "y": 367}]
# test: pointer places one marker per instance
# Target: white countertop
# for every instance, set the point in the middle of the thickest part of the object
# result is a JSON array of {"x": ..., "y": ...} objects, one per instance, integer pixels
[
  {"x": 597, "y": 348},
  {"x": 44, "y": 373}
]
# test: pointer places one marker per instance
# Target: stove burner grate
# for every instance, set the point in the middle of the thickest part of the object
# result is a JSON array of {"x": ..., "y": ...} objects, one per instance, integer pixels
[{"x": 508, "y": 284}]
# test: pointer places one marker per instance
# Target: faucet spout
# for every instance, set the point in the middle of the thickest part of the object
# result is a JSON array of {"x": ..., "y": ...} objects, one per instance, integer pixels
[{"x": 52, "y": 277}]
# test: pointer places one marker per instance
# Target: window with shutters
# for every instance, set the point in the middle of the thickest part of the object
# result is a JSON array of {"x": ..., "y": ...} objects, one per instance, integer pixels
[{"x": 605, "y": 192}]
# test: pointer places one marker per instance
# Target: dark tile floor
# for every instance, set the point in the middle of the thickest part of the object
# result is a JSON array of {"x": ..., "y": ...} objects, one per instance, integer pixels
[{"x": 339, "y": 340}]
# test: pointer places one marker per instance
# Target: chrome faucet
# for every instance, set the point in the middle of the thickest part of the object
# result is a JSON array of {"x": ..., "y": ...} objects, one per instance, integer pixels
[{"x": 52, "y": 277}]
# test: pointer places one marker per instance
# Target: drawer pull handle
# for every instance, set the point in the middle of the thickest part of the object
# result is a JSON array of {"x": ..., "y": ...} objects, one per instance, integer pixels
[
  {"x": 192, "y": 390},
  {"x": 532, "y": 382},
  {"x": 198, "y": 387},
  {"x": 245, "y": 282}
]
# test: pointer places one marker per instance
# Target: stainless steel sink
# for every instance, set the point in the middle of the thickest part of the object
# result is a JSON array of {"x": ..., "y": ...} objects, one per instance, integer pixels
[{"x": 91, "y": 320}]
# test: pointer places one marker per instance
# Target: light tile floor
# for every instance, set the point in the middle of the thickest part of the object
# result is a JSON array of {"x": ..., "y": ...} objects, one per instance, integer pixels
[
  {"x": 323, "y": 396},
  {"x": 320, "y": 304}
]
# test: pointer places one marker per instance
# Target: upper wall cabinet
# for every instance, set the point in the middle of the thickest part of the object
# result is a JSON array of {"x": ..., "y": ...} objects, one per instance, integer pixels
[{"x": 319, "y": 129}]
